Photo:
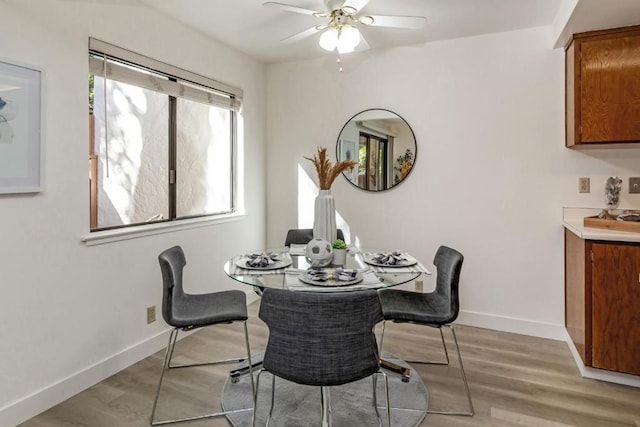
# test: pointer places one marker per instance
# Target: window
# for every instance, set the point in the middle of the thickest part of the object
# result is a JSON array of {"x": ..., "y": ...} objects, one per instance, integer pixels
[
  {"x": 372, "y": 156},
  {"x": 162, "y": 141}
]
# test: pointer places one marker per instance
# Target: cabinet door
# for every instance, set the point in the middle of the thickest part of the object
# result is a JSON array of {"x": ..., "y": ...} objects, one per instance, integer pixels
[
  {"x": 616, "y": 307},
  {"x": 610, "y": 89}
]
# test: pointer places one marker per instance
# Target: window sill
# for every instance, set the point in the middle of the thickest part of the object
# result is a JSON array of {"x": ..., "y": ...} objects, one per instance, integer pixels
[{"x": 109, "y": 236}]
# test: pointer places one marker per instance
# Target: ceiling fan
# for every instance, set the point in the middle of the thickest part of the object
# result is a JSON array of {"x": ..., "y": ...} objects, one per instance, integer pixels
[{"x": 340, "y": 31}]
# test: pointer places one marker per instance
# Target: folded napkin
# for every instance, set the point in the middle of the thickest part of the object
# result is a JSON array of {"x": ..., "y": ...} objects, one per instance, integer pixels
[
  {"x": 389, "y": 258},
  {"x": 261, "y": 260}
]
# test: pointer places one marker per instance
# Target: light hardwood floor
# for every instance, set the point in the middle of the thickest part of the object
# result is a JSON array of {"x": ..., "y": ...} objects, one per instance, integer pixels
[{"x": 515, "y": 380}]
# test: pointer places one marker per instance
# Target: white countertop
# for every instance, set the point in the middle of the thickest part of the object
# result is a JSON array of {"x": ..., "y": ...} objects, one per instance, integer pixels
[{"x": 573, "y": 220}]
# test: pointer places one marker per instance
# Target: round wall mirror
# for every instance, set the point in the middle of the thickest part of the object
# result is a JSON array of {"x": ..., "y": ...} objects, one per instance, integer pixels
[{"x": 384, "y": 146}]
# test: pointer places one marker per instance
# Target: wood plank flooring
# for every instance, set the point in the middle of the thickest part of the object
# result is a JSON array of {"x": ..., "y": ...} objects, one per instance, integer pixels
[{"x": 515, "y": 380}]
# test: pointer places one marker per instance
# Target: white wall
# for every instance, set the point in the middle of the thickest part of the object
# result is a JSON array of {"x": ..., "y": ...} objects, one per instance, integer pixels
[
  {"x": 72, "y": 314},
  {"x": 491, "y": 176}
]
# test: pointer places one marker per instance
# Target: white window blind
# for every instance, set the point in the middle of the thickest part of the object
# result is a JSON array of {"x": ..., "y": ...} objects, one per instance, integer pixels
[{"x": 160, "y": 77}]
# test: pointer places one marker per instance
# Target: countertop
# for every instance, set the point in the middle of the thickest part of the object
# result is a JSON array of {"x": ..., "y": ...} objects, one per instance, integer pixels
[{"x": 572, "y": 220}]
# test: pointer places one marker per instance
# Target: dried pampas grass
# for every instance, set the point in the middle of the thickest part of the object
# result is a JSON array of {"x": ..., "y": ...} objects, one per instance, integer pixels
[{"x": 327, "y": 172}]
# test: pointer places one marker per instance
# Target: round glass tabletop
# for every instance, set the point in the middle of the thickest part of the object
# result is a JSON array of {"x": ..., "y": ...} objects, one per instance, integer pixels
[{"x": 287, "y": 276}]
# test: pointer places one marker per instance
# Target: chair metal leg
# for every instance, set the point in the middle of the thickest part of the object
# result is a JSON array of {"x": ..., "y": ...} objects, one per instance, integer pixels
[
  {"x": 273, "y": 399},
  {"x": 446, "y": 353},
  {"x": 375, "y": 398},
  {"x": 325, "y": 398},
  {"x": 384, "y": 323},
  {"x": 167, "y": 365},
  {"x": 471, "y": 411},
  {"x": 255, "y": 399},
  {"x": 215, "y": 362}
]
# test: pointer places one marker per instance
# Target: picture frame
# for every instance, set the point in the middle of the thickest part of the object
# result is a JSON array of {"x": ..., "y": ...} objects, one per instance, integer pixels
[
  {"x": 21, "y": 162},
  {"x": 348, "y": 152}
]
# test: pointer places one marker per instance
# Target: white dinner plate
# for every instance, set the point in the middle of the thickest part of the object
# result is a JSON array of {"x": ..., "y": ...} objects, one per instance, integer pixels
[
  {"x": 331, "y": 282},
  {"x": 369, "y": 259},
  {"x": 278, "y": 263}
]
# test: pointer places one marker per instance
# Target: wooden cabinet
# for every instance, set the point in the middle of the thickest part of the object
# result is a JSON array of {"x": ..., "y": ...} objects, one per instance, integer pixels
[
  {"x": 602, "y": 302},
  {"x": 603, "y": 87}
]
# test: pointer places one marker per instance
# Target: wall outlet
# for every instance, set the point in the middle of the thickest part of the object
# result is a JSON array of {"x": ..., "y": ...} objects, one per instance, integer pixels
[
  {"x": 418, "y": 286},
  {"x": 584, "y": 185},
  {"x": 151, "y": 314},
  {"x": 634, "y": 185}
]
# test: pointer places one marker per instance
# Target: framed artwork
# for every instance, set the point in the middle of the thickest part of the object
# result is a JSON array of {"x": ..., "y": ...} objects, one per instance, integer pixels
[
  {"x": 20, "y": 128},
  {"x": 348, "y": 152}
]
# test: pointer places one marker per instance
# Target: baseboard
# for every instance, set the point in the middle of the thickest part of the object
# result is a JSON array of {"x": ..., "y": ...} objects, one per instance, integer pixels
[
  {"x": 512, "y": 324},
  {"x": 600, "y": 374},
  {"x": 41, "y": 400}
]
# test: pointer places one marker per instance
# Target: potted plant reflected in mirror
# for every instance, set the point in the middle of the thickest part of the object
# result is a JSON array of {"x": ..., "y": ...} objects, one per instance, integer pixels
[{"x": 339, "y": 252}]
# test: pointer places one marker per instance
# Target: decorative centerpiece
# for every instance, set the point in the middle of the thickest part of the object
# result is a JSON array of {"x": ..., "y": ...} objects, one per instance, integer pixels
[
  {"x": 324, "y": 220},
  {"x": 339, "y": 252},
  {"x": 318, "y": 253}
]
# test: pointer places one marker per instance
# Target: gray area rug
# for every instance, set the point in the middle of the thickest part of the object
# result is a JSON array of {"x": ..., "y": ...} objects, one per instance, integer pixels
[{"x": 351, "y": 404}]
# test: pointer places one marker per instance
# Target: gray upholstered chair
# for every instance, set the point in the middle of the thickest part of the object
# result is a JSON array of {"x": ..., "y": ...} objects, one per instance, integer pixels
[
  {"x": 302, "y": 236},
  {"x": 190, "y": 311},
  {"x": 437, "y": 309},
  {"x": 321, "y": 339}
]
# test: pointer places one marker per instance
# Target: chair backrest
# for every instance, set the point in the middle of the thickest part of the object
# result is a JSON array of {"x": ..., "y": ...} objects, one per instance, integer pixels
[
  {"x": 302, "y": 236},
  {"x": 448, "y": 264},
  {"x": 172, "y": 262},
  {"x": 321, "y": 339}
]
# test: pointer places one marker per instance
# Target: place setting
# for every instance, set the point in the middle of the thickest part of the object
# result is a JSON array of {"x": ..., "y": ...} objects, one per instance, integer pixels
[
  {"x": 331, "y": 279},
  {"x": 261, "y": 263},
  {"x": 392, "y": 262}
]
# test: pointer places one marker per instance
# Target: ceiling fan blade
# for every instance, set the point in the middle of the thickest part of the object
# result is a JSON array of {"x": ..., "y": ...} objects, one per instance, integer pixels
[
  {"x": 290, "y": 8},
  {"x": 301, "y": 35},
  {"x": 363, "y": 45},
  {"x": 412, "y": 22}
]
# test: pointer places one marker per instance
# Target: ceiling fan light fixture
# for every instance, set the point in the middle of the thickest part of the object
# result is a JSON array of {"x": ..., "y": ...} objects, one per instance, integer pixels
[
  {"x": 348, "y": 39},
  {"x": 329, "y": 39}
]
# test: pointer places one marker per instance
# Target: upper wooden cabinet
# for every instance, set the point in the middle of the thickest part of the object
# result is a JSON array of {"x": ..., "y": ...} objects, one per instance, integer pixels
[{"x": 603, "y": 87}]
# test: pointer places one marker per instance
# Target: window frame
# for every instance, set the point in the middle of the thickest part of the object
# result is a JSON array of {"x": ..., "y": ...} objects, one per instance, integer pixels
[{"x": 176, "y": 83}]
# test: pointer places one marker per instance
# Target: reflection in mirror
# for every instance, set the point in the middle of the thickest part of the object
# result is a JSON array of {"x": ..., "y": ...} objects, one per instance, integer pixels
[{"x": 384, "y": 146}]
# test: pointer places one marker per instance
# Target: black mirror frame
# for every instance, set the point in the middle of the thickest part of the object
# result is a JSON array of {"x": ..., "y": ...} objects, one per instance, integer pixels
[{"x": 415, "y": 154}]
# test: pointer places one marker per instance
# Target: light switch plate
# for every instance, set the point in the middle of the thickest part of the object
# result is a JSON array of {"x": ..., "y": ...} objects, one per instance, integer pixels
[{"x": 634, "y": 185}]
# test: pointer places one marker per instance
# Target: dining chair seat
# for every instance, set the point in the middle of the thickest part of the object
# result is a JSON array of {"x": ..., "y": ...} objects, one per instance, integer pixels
[
  {"x": 407, "y": 306},
  {"x": 209, "y": 309}
]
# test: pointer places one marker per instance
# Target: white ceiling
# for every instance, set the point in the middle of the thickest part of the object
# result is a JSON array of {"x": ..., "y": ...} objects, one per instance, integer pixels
[{"x": 250, "y": 27}]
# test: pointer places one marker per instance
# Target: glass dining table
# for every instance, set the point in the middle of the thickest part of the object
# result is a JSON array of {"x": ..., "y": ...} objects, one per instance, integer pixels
[
  {"x": 288, "y": 271},
  {"x": 288, "y": 268}
]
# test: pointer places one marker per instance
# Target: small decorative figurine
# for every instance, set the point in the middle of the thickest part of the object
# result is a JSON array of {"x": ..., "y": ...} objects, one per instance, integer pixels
[{"x": 612, "y": 197}]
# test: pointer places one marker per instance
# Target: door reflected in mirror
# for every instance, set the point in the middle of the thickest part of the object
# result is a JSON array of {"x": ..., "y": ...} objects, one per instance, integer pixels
[{"x": 384, "y": 146}]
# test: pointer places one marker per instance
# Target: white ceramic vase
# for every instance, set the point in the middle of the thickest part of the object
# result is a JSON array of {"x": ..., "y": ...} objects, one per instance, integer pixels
[{"x": 324, "y": 218}]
